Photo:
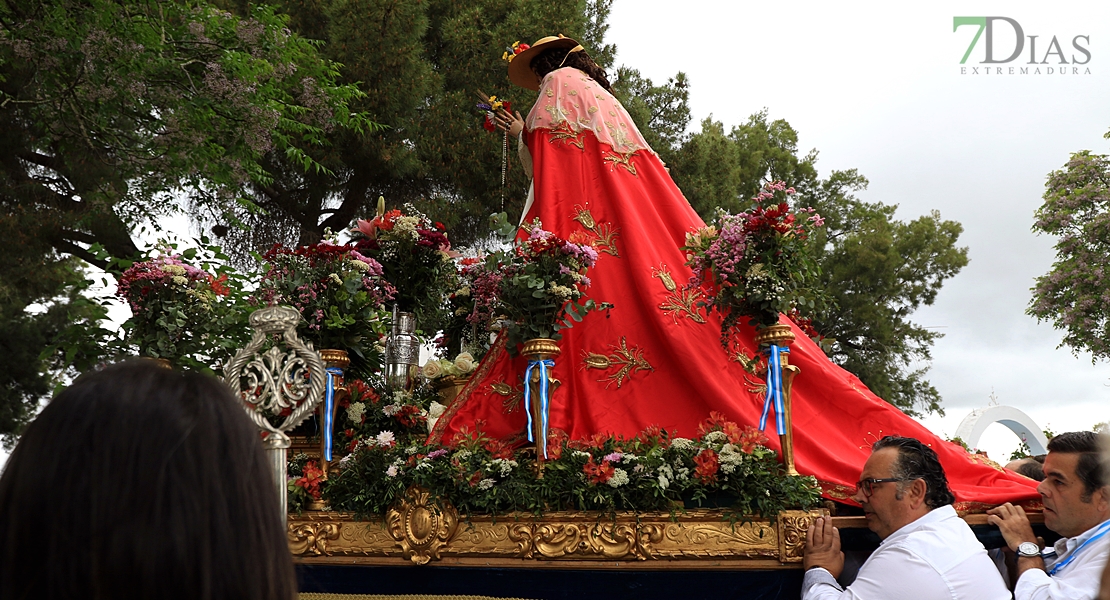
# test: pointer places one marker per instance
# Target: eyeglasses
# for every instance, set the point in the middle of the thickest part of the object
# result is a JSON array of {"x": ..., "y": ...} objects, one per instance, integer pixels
[{"x": 867, "y": 486}]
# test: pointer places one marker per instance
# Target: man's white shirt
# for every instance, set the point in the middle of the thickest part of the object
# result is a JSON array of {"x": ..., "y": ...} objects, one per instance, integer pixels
[
  {"x": 936, "y": 557},
  {"x": 1077, "y": 581}
]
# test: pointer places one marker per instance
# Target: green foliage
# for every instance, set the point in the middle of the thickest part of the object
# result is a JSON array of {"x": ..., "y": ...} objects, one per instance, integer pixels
[
  {"x": 419, "y": 63},
  {"x": 650, "y": 472},
  {"x": 877, "y": 271},
  {"x": 1075, "y": 294}
]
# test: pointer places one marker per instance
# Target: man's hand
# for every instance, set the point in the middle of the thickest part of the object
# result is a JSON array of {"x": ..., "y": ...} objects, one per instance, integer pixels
[
  {"x": 823, "y": 547},
  {"x": 1013, "y": 524}
]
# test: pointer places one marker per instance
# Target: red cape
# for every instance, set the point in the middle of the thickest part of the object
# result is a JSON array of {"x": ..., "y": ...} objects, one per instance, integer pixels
[{"x": 665, "y": 362}]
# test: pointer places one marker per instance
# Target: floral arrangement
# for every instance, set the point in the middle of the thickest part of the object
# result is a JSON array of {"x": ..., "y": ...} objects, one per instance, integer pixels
[
  {"x": 727, "y": 465},
  {"x": 304, "y": 478},
  {"x": 339, "y": 292},
  {"x": 541, "y": 282},
  {"x": 490, "y": 106},
  {"x": 462, "y": 366},
  {"x": 511, "y": 51},
  {"x": 757, "y": 260},
  {"x": 367, "y": 413},
  {"x": 416, "y": 258},
  {"x": 472, "y": 305},
  {"x": 179, "y": 312}
]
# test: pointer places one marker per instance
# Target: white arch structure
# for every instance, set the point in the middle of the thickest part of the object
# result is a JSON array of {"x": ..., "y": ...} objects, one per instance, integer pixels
[{"x": 974, "y": 424}]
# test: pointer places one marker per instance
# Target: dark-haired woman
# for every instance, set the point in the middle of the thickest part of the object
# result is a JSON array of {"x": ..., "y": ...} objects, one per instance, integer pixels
[
  {"x": 655, "y": 358},
  {"x": 142, "y": 482}
]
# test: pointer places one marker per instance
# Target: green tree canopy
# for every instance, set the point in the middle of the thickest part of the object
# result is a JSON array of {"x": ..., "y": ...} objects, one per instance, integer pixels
[{"x": 1075, "y": 294}]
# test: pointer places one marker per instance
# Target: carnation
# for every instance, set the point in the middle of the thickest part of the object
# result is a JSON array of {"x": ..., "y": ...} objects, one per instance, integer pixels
[{"x": 386, "y": 439}]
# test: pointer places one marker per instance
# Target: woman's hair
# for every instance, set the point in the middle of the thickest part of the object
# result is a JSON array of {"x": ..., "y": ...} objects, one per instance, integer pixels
[
  {"x": 549, "y": 60},
  {"x": 142, "y": 482}
]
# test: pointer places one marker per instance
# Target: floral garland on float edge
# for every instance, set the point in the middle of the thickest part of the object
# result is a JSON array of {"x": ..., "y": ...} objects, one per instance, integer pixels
[{"x": 725, "y": 466}]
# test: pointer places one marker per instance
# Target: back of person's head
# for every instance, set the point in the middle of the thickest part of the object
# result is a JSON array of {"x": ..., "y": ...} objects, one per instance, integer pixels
[
  {"x": 1031, "y": 469},
  {"x": 918, "y": 461},
  {"x": 556, "y": 58},
  {"x": 142, "y": 482},
  {"x": 1089, "y": 468}
]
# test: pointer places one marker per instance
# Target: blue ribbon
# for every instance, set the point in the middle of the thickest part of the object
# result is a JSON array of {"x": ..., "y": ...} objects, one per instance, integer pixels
[
  {"x": 774, "y": 390},
  {"x": 329, "y": 401},
  {"x": 1101, "y": 531},
  {"x": 543, "y": 365}
]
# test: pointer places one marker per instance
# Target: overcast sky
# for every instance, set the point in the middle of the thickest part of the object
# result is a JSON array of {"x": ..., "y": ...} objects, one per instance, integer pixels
[{"x": 879, "y": 87}]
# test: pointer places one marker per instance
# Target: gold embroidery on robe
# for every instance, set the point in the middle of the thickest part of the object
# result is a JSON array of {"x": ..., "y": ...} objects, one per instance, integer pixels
[
  {"x": 513, "y": 396},
  {"x": 629, "y": 361},
  {"x": 623, "y": 160},
  {"x": 566, "y": 134},
  {"x": 680, "y": 301},
  {"x": 606, "y": 234}
]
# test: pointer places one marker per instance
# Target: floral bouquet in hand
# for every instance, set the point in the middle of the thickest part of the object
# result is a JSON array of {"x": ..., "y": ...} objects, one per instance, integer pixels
[
  {"x": 542, "y": 281},
  {"x": 339, "y": 292},
  {"x": 758, "y": 260},
  {"x": 415, "y": 256},
  {"x": 178, "y": 311}
]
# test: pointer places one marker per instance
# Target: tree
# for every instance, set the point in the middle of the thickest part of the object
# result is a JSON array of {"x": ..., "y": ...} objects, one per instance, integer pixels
[
  {"x": 420, "y": 63},
  {"x": 1075, "y": 294},
  {"x": 876, "y": 270},
  {"x": 110, "y": 111}
]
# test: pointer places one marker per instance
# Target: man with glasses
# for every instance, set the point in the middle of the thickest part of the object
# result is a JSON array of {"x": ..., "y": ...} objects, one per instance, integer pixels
[
  {"x": 927, "y": 551},
  {"x": 1076, "y": 499}
]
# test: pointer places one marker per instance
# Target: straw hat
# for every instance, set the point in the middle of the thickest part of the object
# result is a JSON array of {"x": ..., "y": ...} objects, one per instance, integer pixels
[{"x": 520, "y": 67}]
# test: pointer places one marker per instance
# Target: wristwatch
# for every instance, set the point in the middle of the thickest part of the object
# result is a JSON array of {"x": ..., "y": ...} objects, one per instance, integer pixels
[{"x": 1028, "y": 550}]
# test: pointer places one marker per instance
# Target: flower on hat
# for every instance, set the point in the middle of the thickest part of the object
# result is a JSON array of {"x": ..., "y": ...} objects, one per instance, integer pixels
[{"x": 511, "y": 52}]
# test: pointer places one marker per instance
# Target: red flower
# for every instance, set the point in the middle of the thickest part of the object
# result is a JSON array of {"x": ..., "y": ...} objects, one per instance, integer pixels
[
  {"x": 596, "y": 473},
  {"x": 475, "y": 479},
  {"x": 651, "y": 435},
  {"x": 555, "y": 440},
  {"x": 715, "y": 422},
  {"x": 750, "y": 438},
  {"x": 410, "y": 416},
  {"x": 499, "y": 449},
  {"x": 707, "y": 466},
  {"x": 311, "y": 477},
  {"x": 217, "y": 285}
]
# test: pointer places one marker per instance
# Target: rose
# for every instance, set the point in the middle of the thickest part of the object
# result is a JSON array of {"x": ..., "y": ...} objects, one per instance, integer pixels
[
  {"x": 464, "y": 362},
  {"x": 432, "y": 369}
]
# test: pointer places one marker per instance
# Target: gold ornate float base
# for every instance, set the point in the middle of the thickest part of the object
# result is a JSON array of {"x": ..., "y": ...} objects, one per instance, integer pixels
[{"x": 418, "y": 532}]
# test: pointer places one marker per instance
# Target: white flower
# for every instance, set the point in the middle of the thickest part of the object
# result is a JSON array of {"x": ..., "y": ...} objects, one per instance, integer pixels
[
  {"x": 355, "y": 412},
  {"x": 462, "y": 455},
  {"x": 486, "y": 484},
  {"x": 682, "y": 444},
  {"x": 619, "y": 478},
  {"x": 360, "y": 266},
  {"x": 336, "y": 278},
  {"x": 435, "y": 410},
  {"x": 173, "y": 269},
  {"x": 391, "y": 409},
  {"x": 505, "y": 466},
  {"x": 346, "y": 459},
  {"x": 424, "y": 464},
  {"x": 432, "y": 369},
  {"x": 385, "y": 438},
  {"x": 716, "y": 437},
  {"x": 463, "y": 291},
  {"x": 639, "y": 469},
  {"x": 464, "y": 362},
  {"x": 179, "y": 280},
  {"x": 581, "y": 454},
  {"x": 391, "y": 471},
  {"x": 663, "y": 482},
  {"x": 411, "y": 450}
]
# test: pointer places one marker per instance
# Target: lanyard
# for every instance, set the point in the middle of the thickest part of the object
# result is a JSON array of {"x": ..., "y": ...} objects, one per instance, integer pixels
[{"x": 1101, "y": 531}]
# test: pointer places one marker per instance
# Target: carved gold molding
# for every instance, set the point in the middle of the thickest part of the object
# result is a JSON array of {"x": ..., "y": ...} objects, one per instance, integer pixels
[{"x": 419, "y": 531}]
